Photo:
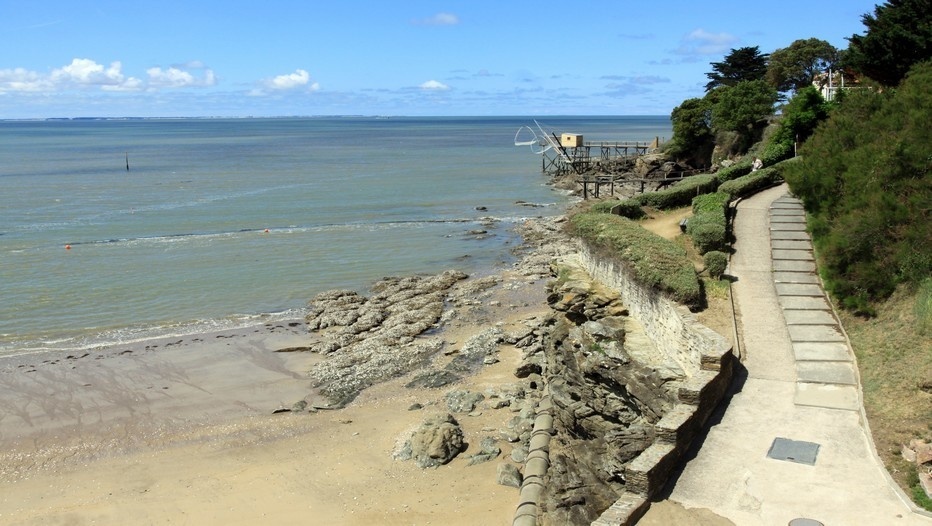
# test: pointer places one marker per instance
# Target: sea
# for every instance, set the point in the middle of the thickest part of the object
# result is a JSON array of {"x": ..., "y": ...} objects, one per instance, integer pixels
[{"x": 120, "y": 230}]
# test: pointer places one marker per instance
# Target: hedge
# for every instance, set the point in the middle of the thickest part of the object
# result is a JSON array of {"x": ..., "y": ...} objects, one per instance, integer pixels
[
  {"x": 734, "y": 171},
  {"x": 715, "y": 262},
  {"x": 629, "y": 208},
  {"x": 656, "y": 262},
  {"x": 603, "y": 207},
  {"x": 708, "y": 226},
  {"x": 680, "y": 194},
  {"x": 755, "y": 181}
]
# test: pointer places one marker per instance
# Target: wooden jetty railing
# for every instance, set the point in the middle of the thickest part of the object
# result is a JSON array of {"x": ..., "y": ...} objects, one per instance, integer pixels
[{"x": 595, "y": 182}]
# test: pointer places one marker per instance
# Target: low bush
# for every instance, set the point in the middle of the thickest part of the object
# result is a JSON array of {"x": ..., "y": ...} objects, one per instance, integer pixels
[
  {"x": 715, "y": 263},
  {"x": 708, "y": 225},
  {"x": 629, "y": 208},
  {"x": 680, "y": 194},
  {"x": 603, "y": 207},
  {"x": 655, "y": 261},
  {"x": 734, "y": 171}
]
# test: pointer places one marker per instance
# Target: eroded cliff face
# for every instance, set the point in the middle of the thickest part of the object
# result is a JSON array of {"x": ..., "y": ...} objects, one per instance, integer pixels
[{"x": 608, "y": 386}]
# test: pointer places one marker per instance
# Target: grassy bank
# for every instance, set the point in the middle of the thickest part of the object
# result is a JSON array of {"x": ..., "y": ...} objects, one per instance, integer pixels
[{"x": 895, "y": 363}]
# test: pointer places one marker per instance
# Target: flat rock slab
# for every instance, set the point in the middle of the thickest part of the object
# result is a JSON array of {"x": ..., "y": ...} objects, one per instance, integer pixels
[
  {"x": 794, "y": 265},
  {"x": 809, "y": 317},
  {"x": 804, "y": 255},
  {"x": 821, "y": 351},
  {"x": 796, "y": 277},
  {"x": 841, "y": 373},
  {"x": 788, "y": 218},
  {"x": 804, "y": 302},
  {"x": 789, "y": 234},
  {"x": 791, "y": 244},
  {"x": 798, "y": 289},
  {"x": 788, "y": 227},
  {"x": 815, "y": 333},
  {"x": 829, "y": 396}
]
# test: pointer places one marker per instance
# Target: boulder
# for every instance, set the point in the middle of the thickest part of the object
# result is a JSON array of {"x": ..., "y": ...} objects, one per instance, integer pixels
[
  {"x": 508, "y": 475},
  {"x": 463, "y": 401},
  {"x": 437, "y": 441},
  {"x": 488, "y": 450}
]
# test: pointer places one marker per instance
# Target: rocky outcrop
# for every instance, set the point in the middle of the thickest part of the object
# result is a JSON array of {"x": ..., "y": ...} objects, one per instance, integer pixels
[
  {"x": 437, "y": 441},
  {"x": 372, "y": 339},
  {"x": 608, "y": 388}
]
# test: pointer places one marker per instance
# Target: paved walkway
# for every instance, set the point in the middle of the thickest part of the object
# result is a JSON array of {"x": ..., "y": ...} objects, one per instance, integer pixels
[{"x": 791, "y": 443}]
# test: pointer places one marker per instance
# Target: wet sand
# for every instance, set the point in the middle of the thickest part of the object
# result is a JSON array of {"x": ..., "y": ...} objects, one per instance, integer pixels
[{"x": 180, "y": 431}]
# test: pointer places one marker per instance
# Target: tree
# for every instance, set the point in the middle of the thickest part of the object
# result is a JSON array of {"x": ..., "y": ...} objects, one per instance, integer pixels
[
  {"x": 692, "y": 130},
  {"x": 746, "y": 63},
  {"x": 800, "y": 117},
  {"x": 795, "y": 67},
  {"x": 740, "y": 107},
  {"x": 898, "y": 36}
]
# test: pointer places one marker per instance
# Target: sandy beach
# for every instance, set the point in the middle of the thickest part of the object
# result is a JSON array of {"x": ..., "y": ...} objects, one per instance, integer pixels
[{"x": 182, "y": 431}]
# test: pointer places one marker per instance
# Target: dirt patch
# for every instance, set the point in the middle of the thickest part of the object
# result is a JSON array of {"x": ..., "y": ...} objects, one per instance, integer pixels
[{"x": 666, "y": 223}]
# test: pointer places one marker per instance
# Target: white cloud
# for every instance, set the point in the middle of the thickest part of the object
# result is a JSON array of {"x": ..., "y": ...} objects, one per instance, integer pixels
[
  {"x": 20, "y": 79},
  {"x": 433, "y": 85},
  {"x": 702, "y": 42},
  {"x": 297, "y": 79},
  {"x": 300, "y": 80},
  {"x": 175, "y": 77},
  {"x": 83, "y": 72},
  {"x": 440, "y": 19}
]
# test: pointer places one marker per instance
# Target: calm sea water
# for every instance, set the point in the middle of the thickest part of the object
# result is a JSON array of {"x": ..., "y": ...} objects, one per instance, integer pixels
[{"x": 222, "y": 223}]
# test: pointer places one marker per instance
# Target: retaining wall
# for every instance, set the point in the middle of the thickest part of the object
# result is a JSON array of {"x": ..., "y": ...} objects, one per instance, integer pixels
[
  {"x": 704, "y": 355},
  {"x": 707, "y": 358}
]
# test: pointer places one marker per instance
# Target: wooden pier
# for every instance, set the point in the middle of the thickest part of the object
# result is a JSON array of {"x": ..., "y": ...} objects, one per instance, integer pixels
[{"x": 603, "y": 156}]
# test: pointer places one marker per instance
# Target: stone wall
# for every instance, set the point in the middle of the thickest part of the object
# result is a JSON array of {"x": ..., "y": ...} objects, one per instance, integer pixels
[
  {"x": 670, "y": 325},
  {"x": 704, "y": 354}
]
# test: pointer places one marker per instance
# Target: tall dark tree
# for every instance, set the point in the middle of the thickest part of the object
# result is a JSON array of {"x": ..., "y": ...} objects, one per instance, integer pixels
[
  {"x": 746, "y": 63},
  {"x": 795, "y": 67},
  {"x": 693, "y": 139},
  {"x": 898, "y": 35},
  {"x": 743, "y": 109}
]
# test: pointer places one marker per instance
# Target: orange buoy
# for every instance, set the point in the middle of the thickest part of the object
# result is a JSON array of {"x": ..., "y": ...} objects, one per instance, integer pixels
[
  {"x": 67, "y": 247},
  {"x": 266, "y": 230}
]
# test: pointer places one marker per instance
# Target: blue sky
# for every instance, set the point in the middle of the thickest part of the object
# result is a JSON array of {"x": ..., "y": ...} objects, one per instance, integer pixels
[{"x": 74, "y": 58}]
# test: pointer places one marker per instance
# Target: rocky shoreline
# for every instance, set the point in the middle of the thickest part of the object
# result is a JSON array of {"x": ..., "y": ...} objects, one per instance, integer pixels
[{"x": 607, "y": 384}]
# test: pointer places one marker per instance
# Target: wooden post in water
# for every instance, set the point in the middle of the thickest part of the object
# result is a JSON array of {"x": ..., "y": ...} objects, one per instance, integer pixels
[{"x": 127, "y": 161}]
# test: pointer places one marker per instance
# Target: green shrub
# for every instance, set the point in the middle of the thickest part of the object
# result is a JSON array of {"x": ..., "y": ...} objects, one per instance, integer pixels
[
  {"x": 629, "y": 208},
  {"x": 603, "y": 207},
  {"x": 776, "y": 152},
  {"x": 734, "y": 171},
  {"x": 708, "y": 226},
  {"x": 714, "y": 203},
  {"x": 864, "y": 180},
  {"x": 750, "y": 183},
  {"x": 707, "y": 233},
  {"x": 715, "y": 263},
  {"x": 655, "y": 261},
  {"x": 680, "y": 194}
]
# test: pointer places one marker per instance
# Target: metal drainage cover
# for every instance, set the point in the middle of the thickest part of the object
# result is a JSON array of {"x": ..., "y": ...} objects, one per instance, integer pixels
[{"x": 794, "y": 451}]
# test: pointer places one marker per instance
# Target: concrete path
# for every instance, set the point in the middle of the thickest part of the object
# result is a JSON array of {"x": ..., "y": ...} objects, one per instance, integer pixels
[{"x": 790, "y": 443}]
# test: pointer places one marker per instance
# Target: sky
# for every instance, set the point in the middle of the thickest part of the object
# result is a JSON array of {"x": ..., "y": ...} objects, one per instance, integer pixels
[{"x": 239, "y": 58}]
